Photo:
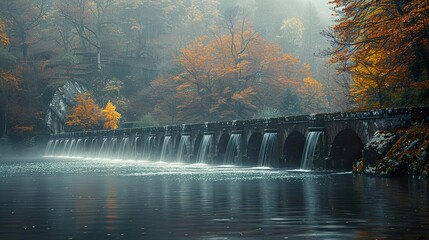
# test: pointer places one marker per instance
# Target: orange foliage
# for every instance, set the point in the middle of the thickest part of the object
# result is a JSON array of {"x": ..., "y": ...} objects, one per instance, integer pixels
[
  {"x": 312, "y": 96},
  {"x": 9, "y": 81},
  {"x": 86, "y": 114},
  {"x": 384, "y": 44},
  {"x": 231, "y": 75},
  {"x": 111, "y": 115},
  {"x": 23, "y": 129}
]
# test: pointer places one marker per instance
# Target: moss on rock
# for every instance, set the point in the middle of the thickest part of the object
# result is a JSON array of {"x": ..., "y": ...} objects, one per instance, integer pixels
[{"x": 407, "y": 157}]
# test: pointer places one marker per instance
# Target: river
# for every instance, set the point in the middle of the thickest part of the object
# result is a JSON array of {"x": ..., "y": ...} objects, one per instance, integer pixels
[{"x": 77, "y": 198}]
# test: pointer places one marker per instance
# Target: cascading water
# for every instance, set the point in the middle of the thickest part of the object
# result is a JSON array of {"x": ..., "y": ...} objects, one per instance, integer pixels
[
  {"x": 104, "y": 148},
  {"x": 166, "y": 148},
  {"x": 134, "y": 150},
  {"x": 124, "y": 148},
  {"x": 94, "y": 147},
  {"x": 149, "y": 147},
  {"x": 77, "y": 149},
  {"x": 232, "y": 153},
  {"x": 71, "y": 146},
  {"x": 267, "y": 150},
  {"x": 58, "y": 150},
  {"x": 309, "y": 149},
  {"x": 65, "y": 147},
  {"x": 184, "y": 148},
  {"x": 112, "y": 147},
  {"x": 49, "y": 146},
  {"x": 203, "y": 156},
  {"x": 87, "y": 146}
]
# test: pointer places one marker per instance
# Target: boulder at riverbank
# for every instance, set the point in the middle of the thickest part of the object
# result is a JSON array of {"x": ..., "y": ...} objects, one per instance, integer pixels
[{"x": 402, "y": 152}]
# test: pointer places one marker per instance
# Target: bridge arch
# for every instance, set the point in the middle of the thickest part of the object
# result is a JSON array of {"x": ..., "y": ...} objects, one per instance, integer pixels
[
  {"x": 345, "y": 149},
  {"x": 293, "y": 148},
  {"x": 253, "y": 147},
  {"x": 221, "y": 146}
]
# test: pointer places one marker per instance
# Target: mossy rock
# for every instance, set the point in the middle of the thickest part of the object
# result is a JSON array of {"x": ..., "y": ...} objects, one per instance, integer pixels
[{"x": 408, "y": 156}]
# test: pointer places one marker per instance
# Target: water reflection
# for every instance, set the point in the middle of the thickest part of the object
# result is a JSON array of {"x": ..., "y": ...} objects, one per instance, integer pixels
[{"x": 96, "y": 199}]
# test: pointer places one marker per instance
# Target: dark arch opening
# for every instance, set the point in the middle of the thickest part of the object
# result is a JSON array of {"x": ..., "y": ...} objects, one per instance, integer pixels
[
  {"x": 253, "y": 147},
  {"x": 346, "y": 148},
  {"x": 223, "y": 143},
  {"x": 292, "y": 150},
  {"x": 196, "y": 145}
]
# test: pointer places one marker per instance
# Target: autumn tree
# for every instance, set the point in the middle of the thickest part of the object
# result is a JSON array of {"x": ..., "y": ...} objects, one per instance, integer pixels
[
  {"x": 384, "y": 45},
  {"x": 312, "y": 97},
  {"x": 111, "y": 116},
  {"x": 86, "y": 114},
  {"x": 292, "y": 30},
  {"x": 9, "y": 82},
  {"x": 231, "y": 74}
]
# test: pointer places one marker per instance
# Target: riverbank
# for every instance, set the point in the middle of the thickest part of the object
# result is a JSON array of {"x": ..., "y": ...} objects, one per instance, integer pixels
[{"x": 397, "y": 153}]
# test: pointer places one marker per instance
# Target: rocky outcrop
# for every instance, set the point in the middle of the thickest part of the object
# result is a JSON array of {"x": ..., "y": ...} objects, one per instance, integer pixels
[
  {"x": 63, "y": 98},
  {"x": 403, "y": 152}
]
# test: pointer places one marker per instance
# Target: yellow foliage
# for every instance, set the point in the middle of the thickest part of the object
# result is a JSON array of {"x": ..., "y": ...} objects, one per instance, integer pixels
[
  {"x": 4, "y": 39},
  {"x": 312, "y": 96},
  {"x": 86, "y": 114},
  {"x": 111, "y": 115}
]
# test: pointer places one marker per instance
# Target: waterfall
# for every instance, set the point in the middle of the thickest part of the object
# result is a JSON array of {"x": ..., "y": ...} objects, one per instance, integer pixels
[
  {"x": 204, "y": 150},
  {"x": 124, "y": 148},
  {"x": 267, "y": 150},
  {"x": 232, "y": 153},
  {"x": 72, "y": 145},
  {"x": 184, "y": 148},
  {"x": 86, "y": 146},
  {"x": 103, "y": 149},
  {"x": 112, "y": 147},
  {"x": 309, "y": 149},
  {"x": 77, "y": 150},
  {"x": 59, "y": 148},
  {"x": 134, "y": 150},
  {"x": 49, "y": 146},
  {"x": 65, "y": 145},
  {"x": 94, "y": 147},
  {"x": 149, "y": 147},
  {"x": 166, "y": 148}
]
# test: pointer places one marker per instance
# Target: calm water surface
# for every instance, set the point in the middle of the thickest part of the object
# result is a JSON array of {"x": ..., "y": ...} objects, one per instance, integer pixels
[{"x": 52, "y": 198}]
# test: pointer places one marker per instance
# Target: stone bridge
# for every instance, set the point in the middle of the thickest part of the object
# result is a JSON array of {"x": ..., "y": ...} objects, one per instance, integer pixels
[{"x": 342, "y": 138}]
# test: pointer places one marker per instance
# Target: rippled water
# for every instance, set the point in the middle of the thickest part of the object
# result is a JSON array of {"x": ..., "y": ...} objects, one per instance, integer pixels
[{"x": 50, "y": 198}]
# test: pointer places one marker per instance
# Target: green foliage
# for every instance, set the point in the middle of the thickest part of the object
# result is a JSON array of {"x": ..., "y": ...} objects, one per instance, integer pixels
[
  {"x": 70, "y": 59},
  {"x": 147, "y": 120}
]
